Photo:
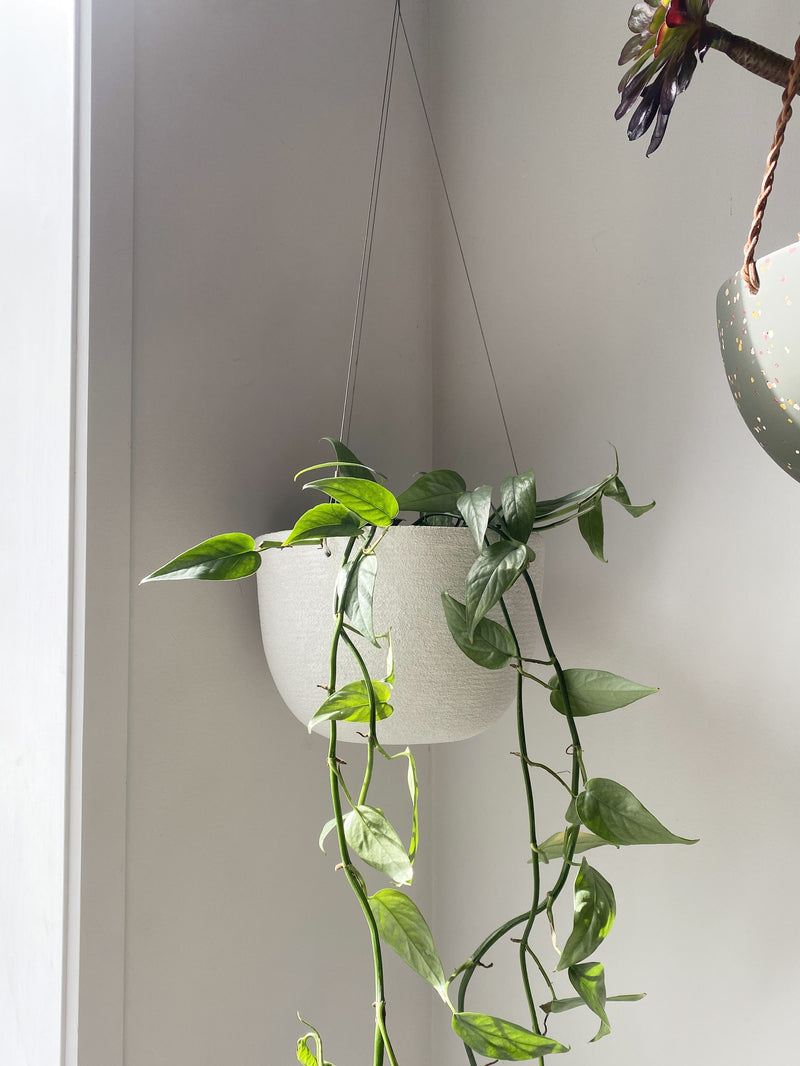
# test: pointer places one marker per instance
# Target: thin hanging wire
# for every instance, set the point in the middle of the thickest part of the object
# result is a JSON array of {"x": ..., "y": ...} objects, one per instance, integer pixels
[
  {"x": 460, "y": 245},
  {"x": 366, "y": 255},
  {"x": 358, "y": 323}
]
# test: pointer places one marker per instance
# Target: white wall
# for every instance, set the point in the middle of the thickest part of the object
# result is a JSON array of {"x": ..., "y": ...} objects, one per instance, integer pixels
[
  {"x": 255, "y": 127},
  {"x": 36, "y": 57},
  {"x": 596, "y": 270}
]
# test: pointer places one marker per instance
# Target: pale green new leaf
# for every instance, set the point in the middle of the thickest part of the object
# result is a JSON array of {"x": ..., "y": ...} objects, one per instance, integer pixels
[
  {"x": 518, "y": 499},
  {"x": 590, "y": 523},
  {"x": 595, "y": 692},
  {"x": 373, "y": 838},
  {"x": 594, "y": 912},
  {"x": 588, "y": 980},
  {"x": 305, "y": 1056},
  {"x": 351, "y": 703},
  {"x": 413, "y": 791},
  {"x": 491, "y": 644},
  {"x": 491, "y": 576},
  {"x": 476, "y": 510},
  {"x": 553, "y": 847},
  {"x": 370, "y": 501},
  {"x": 613, "y": 812},
  {"x": 436, "y": 491},
  {"x": 224, "y": 558},
  {"x": 403, "y": 928},
  {"x": 326, "y": 829},
  {"x": 325, "y": 520},
  {"x": 498, "y": 1039}
]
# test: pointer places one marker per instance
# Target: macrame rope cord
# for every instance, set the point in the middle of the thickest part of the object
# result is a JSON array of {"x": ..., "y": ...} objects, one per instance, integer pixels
[{"x": 749, "y": 272}]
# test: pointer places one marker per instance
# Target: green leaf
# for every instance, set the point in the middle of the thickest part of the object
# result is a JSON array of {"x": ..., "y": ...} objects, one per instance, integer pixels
[
  {"x": 553, "y": 847},
  {"x": 595, "y": 692},
  {"x": 438, "y": 490},
  {"x": 571, "y": 813},
  {"x": 588, "y": 980},
  {"x": 223, "y": 558},
  {"x": 518, "y": 498},
  {"x": 499, "y": 1039},
  {"x": 325, "y": 520},
  {"x": 345, "y": 457},
  {"x": 615, "y": 490},
  {"x": 327, "y": 828},
  {"x": 564, "y": 504},
  {"x": 305, "y": 1056},
  {"x": 403, "y": 928},
  {"x": 370, "y": 501},
  {"x": 476, "y": 509},
  {"x": 594, "y": 913},
  {"x": 373, "y": 838},
  {"x": 413, "y": 791},
  {"x": 491, "y": 645},
  {"x": 590, "y": 523},
  {"x": 351, "y": 703},
  {"x": 491, "y": 576},
  {"x": 357, "y": 600},
  {"x": 560, "y": 1006},
  {"x": 615, "y": 814}
]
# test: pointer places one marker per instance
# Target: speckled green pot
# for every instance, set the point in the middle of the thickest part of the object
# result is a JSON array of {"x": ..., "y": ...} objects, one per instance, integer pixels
[{"x": 760, "y": 340}]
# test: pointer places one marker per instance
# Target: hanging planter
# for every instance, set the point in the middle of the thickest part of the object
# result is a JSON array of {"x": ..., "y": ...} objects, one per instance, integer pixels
[
  {"x": 758, "y": 317},
  {"x": 438, "y": 694},
  {"x": 759, "y": 335}
]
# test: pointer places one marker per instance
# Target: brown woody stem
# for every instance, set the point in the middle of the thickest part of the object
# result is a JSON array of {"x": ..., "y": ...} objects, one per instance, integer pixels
[{"x": 753, "y": 57}]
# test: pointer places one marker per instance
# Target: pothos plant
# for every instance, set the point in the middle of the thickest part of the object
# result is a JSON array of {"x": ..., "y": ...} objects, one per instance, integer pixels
[{"x": 598, "y": 811}]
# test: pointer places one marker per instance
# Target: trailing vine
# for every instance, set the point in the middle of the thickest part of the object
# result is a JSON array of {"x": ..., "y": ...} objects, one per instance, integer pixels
[{"x": 599, "y": 812}]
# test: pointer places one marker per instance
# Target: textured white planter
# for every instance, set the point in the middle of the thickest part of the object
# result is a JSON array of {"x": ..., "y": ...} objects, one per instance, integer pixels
[
  {"x": 760, "y": 340},
  {"x": 439, "y": 694}
]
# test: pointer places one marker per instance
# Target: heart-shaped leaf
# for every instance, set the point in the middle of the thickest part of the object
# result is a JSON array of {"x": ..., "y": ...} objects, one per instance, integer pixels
[
  {"x": 476, "y": 510},
  {"x": 491, "y": 575},
  {"x": 588, "y": 980},
  {"x": 403, "y": 928},
  {"x": 518, "y": 499},
  {"x": 436, "y": 491},
  {"x": 613, "y": 812},
  {"x": 351, "y": 703},
  {"x": 351, "y": 461},
  {"x": 224, "y": 558},
  {"x": 367, "y": 499},
  {"x": 590, "y": 523},
  {"x": 595, "y": 692},
  {"x": 498, "y": 1039},
  {"x": 373, "y": 838},
  {"x": 490, "y": 646},
  {"x": 357, "y": 600},
  {"x": 594, "y": 913},
  {"x": 325, "y": 520},
  {"x": 553, "y": 848}
]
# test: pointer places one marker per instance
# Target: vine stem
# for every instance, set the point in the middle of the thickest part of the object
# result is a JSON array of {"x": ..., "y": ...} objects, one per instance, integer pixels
[
  {"x": 748, "y": 54},
  {"x": 382, "y": 1043}
]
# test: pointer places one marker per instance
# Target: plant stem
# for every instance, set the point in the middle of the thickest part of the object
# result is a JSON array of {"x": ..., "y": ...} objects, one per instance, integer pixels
[{"x": 754, "y": 57}]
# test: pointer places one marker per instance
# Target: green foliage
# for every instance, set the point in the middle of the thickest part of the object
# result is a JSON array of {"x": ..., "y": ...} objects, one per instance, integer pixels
[
  {"x": 223, "y": 558},
  {"x": 491, "y": 575},
  {"x": 352, "y": 703},
  {"x": 402, "y": 927},
  {"x": 490, "y": 645},
  {"x": 601, "y": 813},
  {"x": 499, "y": 1039},
  {"x": 437, "y": 491},
  {"x": 595, "y": 692},
  {"x": 613, "y": 812},
  {"x": 374, "y": 839},
  {"x": 595, "y": 910}
]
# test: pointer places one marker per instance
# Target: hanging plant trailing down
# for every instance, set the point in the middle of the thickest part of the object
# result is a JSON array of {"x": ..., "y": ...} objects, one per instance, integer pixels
[
  {"x": 599, "y": 812},
  {"x": 669, "y": 38}
]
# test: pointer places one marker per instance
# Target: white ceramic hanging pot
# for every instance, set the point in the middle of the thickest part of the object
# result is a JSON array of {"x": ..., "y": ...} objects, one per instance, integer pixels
[
  {"x": 439, "y": 694},
  {"x": 760, "y": 340}
]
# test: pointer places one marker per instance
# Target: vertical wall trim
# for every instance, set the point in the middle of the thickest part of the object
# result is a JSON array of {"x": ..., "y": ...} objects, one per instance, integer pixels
[{"x": 97, "y": 756}]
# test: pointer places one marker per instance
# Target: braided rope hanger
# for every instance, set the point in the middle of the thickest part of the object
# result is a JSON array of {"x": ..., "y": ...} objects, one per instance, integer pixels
[{"x": 749, "y": 272}]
